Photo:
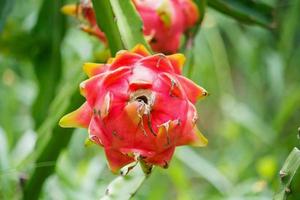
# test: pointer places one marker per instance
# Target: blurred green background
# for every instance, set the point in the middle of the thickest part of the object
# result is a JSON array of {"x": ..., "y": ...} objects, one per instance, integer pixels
[{"x": 251, "y": 117}]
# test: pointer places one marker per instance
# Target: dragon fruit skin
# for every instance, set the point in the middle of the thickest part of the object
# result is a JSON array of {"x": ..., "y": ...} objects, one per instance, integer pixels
[
  {"x": 164, "y": 21},
  {"x": 138, "y": 106}
]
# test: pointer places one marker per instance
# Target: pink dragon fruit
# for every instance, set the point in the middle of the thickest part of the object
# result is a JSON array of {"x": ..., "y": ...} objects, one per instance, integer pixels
[
  {"x": 165, "y": 21},
  {"x": 138, "y": 107}
]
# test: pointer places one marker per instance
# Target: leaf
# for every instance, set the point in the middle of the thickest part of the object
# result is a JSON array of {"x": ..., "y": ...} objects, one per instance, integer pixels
[
  {"x": 287, "y": 173},
  {"x": 289, "y": 28},
  {"x": 48, "y": 33},
  {"x": 24, "y": 147},
  {"x": 249, "y": 119},
  {"x": 124, "y": 187},
  {"x": 180, "y": 179},
  {"x": 207, "y": 170},
  {"x": 4, "y": 165},
  {"x": 5, "y": 9},
  {"x": 246, "y": 11},
  {"x": 286, "y": 109},
  {"x": 52, "y": 139},
  {"x": 49, "y": 153}
]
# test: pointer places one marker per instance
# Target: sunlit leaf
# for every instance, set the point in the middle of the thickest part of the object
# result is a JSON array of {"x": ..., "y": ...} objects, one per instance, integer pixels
[
  {"x": 4, "y": 162},
  {"x": 24, "y": 147}
]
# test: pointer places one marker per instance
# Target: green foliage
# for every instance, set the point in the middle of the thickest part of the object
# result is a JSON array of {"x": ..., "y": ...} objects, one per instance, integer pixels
[
  {"x": 6, "y": 7},
  {"x": 58, "y": 138},
  {"x": 48, "y": 33},
  {"x": 247, "y": 11},
  {"x": 250, "y": 117},
  {"x": 207, "y": 170}
]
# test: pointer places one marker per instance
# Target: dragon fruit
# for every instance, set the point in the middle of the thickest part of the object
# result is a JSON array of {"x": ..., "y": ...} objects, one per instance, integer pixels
[
  {"x": 138, "y": 108},
  {"x": 164, "y": 21}
]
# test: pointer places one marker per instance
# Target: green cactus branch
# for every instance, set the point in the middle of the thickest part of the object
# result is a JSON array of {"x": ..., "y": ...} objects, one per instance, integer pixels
[
  {"x": 121, "y": 24},
  {"x": 129, "y": 23},
  {"x": 124, "y": 187},
  {"x": 106, "y": 21},
  {"x": 287, "y": 173}
]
